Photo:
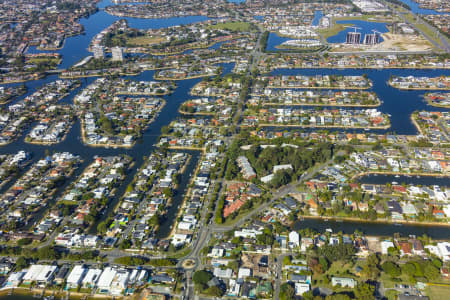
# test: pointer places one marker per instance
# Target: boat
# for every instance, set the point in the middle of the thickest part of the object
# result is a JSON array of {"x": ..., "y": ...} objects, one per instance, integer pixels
[
  {"x": 394, "y": 182},
  {"x": 329, "y": 230},
  {"x": 397, "y": 176},
  {"x": 366, "y": 129},
  {"x": 398, "y": 224}
]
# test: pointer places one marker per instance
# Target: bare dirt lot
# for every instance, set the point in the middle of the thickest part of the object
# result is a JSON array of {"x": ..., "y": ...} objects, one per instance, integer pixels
[{"x": 391, "y": 42}]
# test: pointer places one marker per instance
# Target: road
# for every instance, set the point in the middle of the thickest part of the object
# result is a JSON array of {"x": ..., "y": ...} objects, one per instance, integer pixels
[
  {"x": 445, "y": 46},
  {"x": 279, "y": 274},
  {"x": 205, "y": 233}
]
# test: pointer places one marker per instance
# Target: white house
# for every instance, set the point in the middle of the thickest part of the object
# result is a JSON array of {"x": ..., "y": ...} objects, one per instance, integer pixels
[
  {"x": 91, "y": 278},
  {"x": 76, "y": 276},
  {"x": 42, "y": 274},
  {"x": 385, "y": 245},
  {"x": 244, "y": 273},
  {"x": 444, "y": 251},
  {"x": 105, "y": 280},
  {"x": 294, "y": 239},
  {"x": 301, "y": 288}
]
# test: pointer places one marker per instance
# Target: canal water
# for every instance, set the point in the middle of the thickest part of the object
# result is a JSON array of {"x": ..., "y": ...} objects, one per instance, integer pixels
[
  {"x": 415, "y": 8},
  {"x": 399, "y": 104},
  {"x": 363, "y": 27},
  {"x": 317, "y": 16},
  {"x": 373, "y": 229},
  {"x": 414, "y": 180}
]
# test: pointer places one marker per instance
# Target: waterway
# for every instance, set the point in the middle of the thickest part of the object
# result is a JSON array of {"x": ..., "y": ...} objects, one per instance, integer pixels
[
  {"x": 373, "y": 229},
  {"x": 399, "y": 104},
  {"x": 317, "y": 16},
  {"x": 275, "y": 40},
  {"x": 415, "y": 8},
  {"x": 401, "y": 179},
  {"x": 363, "y": 27}
]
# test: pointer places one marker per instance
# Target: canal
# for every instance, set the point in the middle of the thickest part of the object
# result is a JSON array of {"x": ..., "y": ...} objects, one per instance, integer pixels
[{"x": 399, "y": 104}]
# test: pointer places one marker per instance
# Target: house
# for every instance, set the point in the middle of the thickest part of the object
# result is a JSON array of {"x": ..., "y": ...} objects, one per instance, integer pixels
[
  {"x": 417, "y": 248},
  {"x": 223, "y": 273},
  {"x": 306, "y": 243},
  {"x": 405, "y": 248},
  {"x": 395, "y": 209},
  {"x": 15, "y": 278},
  {"x": 91, "y": 278},
  {"x": 105, "y": 280},
  {"x": 444, "y": 251},
  {"x": 343, "y": 282},
  {"x": 76, "y": 276},
  {"x": 234, "y": 289},
  {"x": 301, "y": 288},
  {"x": 244, "y": 273},
  {"x": 162, "y": 278},
  {"x": 61, "y": 274},
  {"x": 119, "y": 282},
  {"x": 294, "y": 239},
  {"x": 385, "y": 245},
  {"x": 410, "y": 297},
  {"x": 42, "y": 274}
]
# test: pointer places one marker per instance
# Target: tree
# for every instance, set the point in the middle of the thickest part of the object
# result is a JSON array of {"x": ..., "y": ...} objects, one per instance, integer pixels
[
  {"x": 48, "y": 253},
  {"x": 391, "y": 268},
  {"x": 201, "y": 278},
  {"x": 168, "y": 192},
  {"x": 324, "y": 263},
  {"x": 364, "y": 291},
  {"x": 338, "y": 297},
  {"x": 337, "y": 252},
  {"x": 102, "y": 228},
  {"x": 431, "y": 272},
  {"x": 21, "y": 263},
  {"x": 24, "y": 241},
  {"x": 131, "y": 260},
  {"x": 314, "y": 265},
  {"x": 370, "y": 269},
  {"x": 214, "y": 291},
  {"x": 126, "y": 244},
  {"x": 409, "y": 269},
  {"x": 287, "y": 291}
]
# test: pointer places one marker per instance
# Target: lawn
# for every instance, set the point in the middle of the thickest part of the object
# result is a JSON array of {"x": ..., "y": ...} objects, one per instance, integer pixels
[
  {"x": 336, "y": 28},
  {"x": 145, "y": 40},
  {"x": 424, "y": 28},
  {"x": 437, "y": 292},
  {"x": 44, "y": 60},
  {"x": 234, "y": 26}
]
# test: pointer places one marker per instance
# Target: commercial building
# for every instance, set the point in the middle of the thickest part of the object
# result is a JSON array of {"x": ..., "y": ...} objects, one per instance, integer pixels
[
  {"x": 99, "y": 53},
  {"x": 246, "y": 169},
  {"x": 117, "y": 54}
]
